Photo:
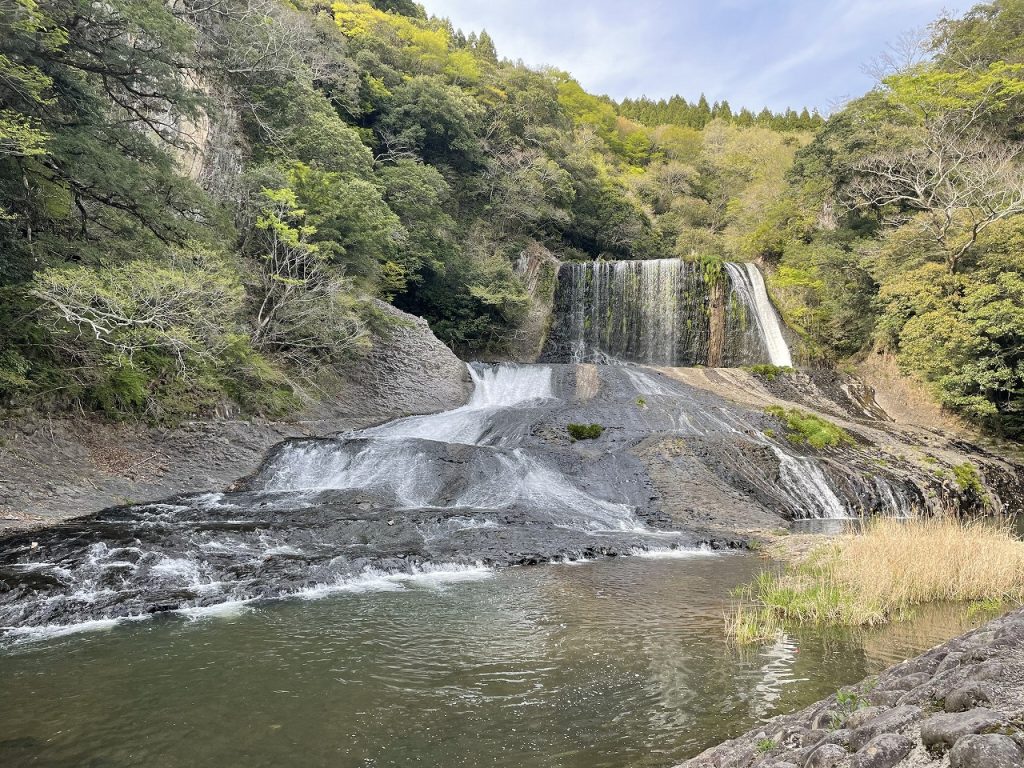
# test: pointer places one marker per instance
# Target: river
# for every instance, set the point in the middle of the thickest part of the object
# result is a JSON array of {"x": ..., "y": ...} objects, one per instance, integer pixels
[{"x": 616, "y": 662}]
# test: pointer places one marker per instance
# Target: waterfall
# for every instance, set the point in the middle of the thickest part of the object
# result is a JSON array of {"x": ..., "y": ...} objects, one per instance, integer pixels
[
  {"x": 630, "y": 310},
  {"x": 493, "y": 389},
  {"x": 808, "y": 488},
  {"x": 468, "y": 458},
  {"x": 749, "y": 284},
  {"x": 663, "y": 312}
]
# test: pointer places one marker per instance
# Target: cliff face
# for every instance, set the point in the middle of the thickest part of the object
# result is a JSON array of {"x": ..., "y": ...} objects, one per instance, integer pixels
[
  {"x": 537, "y": 267},
  {"x": 56, "y": 467}
]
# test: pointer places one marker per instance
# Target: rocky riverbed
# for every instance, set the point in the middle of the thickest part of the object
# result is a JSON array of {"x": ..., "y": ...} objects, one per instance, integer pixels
[{"x": 960, "y": 705}]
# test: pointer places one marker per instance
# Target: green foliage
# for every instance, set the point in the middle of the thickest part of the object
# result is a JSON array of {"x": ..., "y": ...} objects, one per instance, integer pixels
[
  {"x": 770, "y": 372},
  {"x": 986, "y": 609},
  {"x": 713, "y": 269},
  {"x": 585, "y": 431},
  {"x": 847, "y": 702},
  {"x": 927, "y": 272},
  {"x": 766, "y": 745},
  {"x": 366, "y": 150},
  {"x": 926, "y": 91},
  {"x": 677, "y": 111},
  {"x": 802, "y": 427},
  {"x": 968, "y": 479}
]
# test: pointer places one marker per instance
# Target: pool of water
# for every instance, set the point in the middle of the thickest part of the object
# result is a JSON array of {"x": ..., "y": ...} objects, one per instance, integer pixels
[{"x": 615, "y": 663}]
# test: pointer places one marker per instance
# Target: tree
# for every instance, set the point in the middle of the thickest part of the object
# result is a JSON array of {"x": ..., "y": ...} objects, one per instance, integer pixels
[
  {"x": 959, "y": 181},
  {"x": 439, "y": 121},
  {"x": 418, "y": 193},
  {"x": 525, "y": 192},
  {"x": 485, "y": 48},
  {"x": 302, "y": 307},
  {"x": 185, "y": 308},
  {"x": 348, "y": 221},
  {"x": 703, "y": 112},
  {"x": 25, "y": 88}
]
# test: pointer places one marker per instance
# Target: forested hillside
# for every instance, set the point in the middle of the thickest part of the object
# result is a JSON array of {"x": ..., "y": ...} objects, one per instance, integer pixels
[
  {"x": 201, "y": 201},
  {"x": 901, "y": 229}
]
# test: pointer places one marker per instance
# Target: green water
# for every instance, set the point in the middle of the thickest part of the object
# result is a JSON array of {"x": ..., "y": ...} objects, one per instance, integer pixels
[{"x": 613, "y": 663}]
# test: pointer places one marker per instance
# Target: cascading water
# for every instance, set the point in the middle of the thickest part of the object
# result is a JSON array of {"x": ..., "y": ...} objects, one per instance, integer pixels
[
  {"x": 496, "y": 482},
  {"x": 494, "y": 388},
  {"x": 629, "y": 310},
  {"x": 747, "y": 454},
  {"x": 808, "y": 488},
  {"x": 415, "y": 458},
  {"x": 748, "y": 282},
  {"x": 473, "y": 485},
  {"x": 663, "y": 312}
]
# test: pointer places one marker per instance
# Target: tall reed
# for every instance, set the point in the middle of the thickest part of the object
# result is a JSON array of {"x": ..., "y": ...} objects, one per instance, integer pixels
[{"x": 879, "y": 575}]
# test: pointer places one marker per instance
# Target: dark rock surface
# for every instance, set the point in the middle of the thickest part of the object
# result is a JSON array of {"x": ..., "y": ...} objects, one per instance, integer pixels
[
  {"x": 883, "y": 722},
  {"x": 920, "y": 736},
  {"x": 940, "y": 732}
]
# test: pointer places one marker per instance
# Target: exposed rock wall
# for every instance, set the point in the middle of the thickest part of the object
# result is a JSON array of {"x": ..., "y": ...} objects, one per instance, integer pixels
[
  {"x": 537, "y": 267},
  {"x": 408, "y": 371}
]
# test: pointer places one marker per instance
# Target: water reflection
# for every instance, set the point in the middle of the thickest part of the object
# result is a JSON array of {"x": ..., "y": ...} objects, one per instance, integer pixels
[{"x": 613, "y": 663}]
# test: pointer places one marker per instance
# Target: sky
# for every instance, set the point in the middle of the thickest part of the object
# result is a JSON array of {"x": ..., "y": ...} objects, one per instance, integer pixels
[{"x": 755, "y": 53}]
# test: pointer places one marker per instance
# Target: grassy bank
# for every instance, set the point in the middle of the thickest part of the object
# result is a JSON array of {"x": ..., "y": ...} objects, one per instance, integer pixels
[{"x": 879, "y": 576}]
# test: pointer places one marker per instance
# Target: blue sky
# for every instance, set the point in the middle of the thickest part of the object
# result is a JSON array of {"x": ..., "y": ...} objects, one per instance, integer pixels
[{"x": 755, "y": 53}]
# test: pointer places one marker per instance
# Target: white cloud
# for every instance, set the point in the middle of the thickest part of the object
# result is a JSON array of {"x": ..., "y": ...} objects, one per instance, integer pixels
[{"x": 778, "y": 53}]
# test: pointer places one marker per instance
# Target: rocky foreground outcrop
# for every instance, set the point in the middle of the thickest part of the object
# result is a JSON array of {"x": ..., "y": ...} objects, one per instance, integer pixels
[
  {"x": 53, "y": 467},
  {"x": 960, "y": 705}
]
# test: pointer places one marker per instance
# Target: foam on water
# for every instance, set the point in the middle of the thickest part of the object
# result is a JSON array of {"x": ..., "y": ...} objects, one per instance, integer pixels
[
  {"x": 226, "y": 610},
  {"x": 674, "y": 553},
  {"x": 373, "y": 579},
  {"x": 18, "y": 635}
]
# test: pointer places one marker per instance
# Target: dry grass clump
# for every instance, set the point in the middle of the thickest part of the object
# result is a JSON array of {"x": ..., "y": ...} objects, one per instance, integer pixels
[
  {"x": 897, "y": 564},
  {"x": 879, "y": 575}
]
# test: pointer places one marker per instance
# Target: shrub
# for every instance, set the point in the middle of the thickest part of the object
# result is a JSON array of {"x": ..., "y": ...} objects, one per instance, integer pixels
[
  {"x": 585, "y": 431},
  {"x": 802, "y": 427},
  {"x": 967, "y": 477},
  {"x": 182, "y": 307},
  {"x": 770, "y": 372}
]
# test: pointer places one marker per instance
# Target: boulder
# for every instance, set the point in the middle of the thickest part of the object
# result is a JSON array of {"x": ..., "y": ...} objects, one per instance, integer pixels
[
  {"x": 991, "y": 750},
  {"x": 858, "y": 717},
  {"x": 827, "y": 756},
  {"x": 906, "y": 683},
  {"x": 968, "y": 696},
  {"x": 883, "y": 751},
  {"x": 888, "y": 722},
  {"x": 940, "y": 732}
]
